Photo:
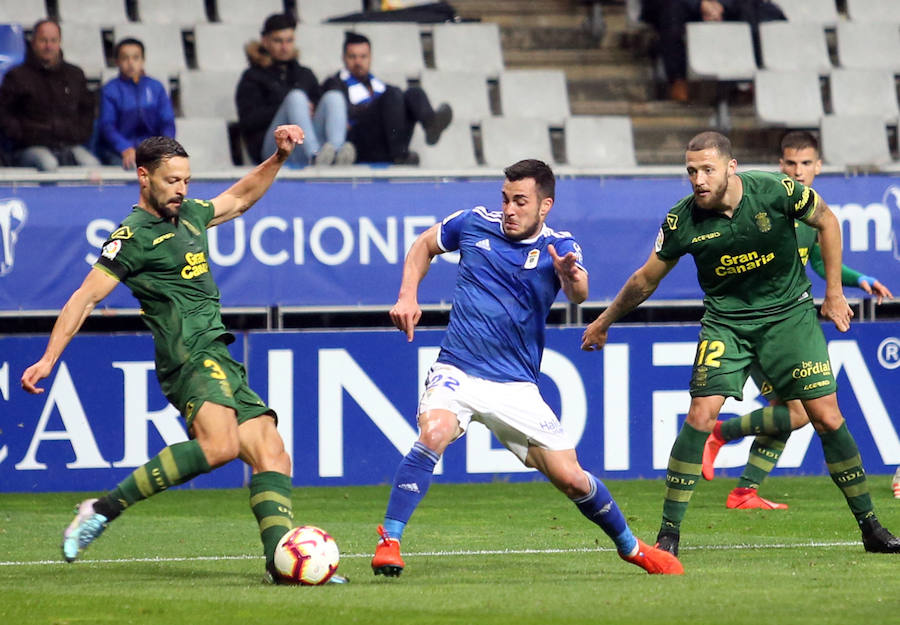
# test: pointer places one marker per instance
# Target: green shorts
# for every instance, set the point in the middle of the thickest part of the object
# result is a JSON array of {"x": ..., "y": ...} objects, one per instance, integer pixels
[
  {"x": 791, "y": 350},
  {"x": 211, "y": 374}
]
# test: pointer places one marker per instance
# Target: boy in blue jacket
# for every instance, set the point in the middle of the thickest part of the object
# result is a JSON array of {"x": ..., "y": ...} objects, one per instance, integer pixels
[{"x": 133, "y": 107}]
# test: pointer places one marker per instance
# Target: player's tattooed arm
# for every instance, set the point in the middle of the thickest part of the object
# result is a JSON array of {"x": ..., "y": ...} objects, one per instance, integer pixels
[
  {"x": 636, "y": 290},
  {"x": 834, "y": 307}
]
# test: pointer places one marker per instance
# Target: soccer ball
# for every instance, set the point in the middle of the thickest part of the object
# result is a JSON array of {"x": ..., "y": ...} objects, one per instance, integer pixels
[{"x": 307, "y": 556}]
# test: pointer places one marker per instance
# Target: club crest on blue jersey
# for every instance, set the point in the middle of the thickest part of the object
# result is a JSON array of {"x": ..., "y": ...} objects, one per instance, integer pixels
[{"x": 532, "y": 260}]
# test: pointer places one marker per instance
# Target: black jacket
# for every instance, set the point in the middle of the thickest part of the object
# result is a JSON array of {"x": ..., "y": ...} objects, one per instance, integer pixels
[
  {"x": 261, "y": 90},
  {"x": 46, "y": 106}
]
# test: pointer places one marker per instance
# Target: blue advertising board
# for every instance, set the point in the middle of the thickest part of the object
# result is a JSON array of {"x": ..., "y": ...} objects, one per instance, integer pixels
[
  {"x": 347, "y": 402},
  {"x": 342, "y": 244}
]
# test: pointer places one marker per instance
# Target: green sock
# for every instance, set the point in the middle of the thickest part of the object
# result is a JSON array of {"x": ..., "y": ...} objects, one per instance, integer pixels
[
  {"x": 270, "y": 500},
  {"x": 764, "y": 454},
  {"x": 846, "y": 470},
  {"x": 174, "y": 465},
  {"x": 770, "y": 420},
  {"x": 685, "y": 463}
]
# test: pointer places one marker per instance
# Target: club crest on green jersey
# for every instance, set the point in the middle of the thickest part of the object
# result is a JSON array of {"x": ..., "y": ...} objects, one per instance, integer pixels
[{"x": 763, "y": 222}]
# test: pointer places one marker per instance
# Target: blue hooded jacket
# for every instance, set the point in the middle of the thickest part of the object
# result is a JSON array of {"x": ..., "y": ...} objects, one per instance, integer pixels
[{"x": 130, "y": 112}]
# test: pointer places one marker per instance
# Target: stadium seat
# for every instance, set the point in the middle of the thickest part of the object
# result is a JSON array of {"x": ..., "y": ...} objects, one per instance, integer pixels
[
  {"x": 866, "y": 45},
  {"x": 221, "y": 46},
  {"x": 24, "y": 12},
  {"x": 185, "y": 13},
  {"x": 97, "y": 12},
  {"x": 506, "y": 140},
  {"x": 600, "y": 141},
  {"x": 864, "y": 92},
  {"x": 792, "y": 99},
  {"x": 455, "y": 150},
  {"x": 12, "y": 47},
  {"x": 822, "y": 12},
  {"x": 468, "y": 47},
  {"x": 163, "y": 47},
  {"x": 706, "y": 42},
  {"x": 316, "y": 11},
  {"x": 321, "y": 48},
  {"x": 884, "y": 11},
  {"x": 395, "y": 47},
  {"x": 531, "y": 93},
  {"x": 206, "y": 141},
  {"x": 794, "y": 46},
  {"x": 466, "y": 92},
  {"x": 242, "y": 11},
  {"x": 209, "y": 93},
  {"x": 854, "y": 140},
  {"x": 82, "y": 45}
]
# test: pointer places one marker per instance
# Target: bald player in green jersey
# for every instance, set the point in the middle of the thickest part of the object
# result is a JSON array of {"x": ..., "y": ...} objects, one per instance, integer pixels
[
  {"x": 773, "y": 424},
  {"x": 740, "y": 230},
  {"x": 160, "y": 251}
]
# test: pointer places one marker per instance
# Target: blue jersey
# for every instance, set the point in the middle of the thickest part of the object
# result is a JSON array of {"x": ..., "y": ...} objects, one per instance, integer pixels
[{"x": 504, "y": 290}]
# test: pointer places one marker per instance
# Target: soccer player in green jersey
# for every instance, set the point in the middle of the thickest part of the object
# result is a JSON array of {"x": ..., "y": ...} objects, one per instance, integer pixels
[
  {"x": 773, "y": 425},
  {"x": 160, "y": 251},
  {"x": 740, "y": 230}
]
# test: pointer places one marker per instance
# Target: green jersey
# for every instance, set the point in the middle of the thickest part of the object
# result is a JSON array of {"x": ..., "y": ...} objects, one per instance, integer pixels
[
  {"x": 166, "y": 267},
  {"x": 747, "y": 264}
]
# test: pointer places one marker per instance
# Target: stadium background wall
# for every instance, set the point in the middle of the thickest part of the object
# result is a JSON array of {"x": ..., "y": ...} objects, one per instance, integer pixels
[
  {"x": 329, "y": 246},
  {"x": 348, "y": 419}
]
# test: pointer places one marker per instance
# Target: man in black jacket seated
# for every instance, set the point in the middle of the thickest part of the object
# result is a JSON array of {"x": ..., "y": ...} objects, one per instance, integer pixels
[
  {"x": 276, "y": 90},
  {"x": 382, "y": 117}
]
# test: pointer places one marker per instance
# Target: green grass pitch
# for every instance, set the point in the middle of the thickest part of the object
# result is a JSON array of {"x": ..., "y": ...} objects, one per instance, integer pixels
[{"x": 475, "y": 554}]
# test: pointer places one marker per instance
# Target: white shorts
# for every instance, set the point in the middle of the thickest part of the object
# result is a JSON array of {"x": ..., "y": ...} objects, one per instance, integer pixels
[{"x": 514, "y": 411}]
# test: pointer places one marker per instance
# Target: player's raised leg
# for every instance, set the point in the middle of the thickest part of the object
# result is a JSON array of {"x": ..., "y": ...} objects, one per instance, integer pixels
[
  {"x": 437, "y": 428},
  {"x": 174, "y": 465},
  {"x": 595, "y": 502}
]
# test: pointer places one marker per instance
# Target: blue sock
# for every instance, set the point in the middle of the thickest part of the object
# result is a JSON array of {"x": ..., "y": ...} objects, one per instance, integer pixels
[
  {"x": 411, "y": 482},
  {"x": 599, "y": 506}
]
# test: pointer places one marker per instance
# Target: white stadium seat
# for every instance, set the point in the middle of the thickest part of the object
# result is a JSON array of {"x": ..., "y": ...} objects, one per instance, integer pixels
[
  {"x": 854, "y": 140},
  {"x": 600, "y": 141},
  {"x": 534, "y": 93},
  {"x": 506, "y": 140}
]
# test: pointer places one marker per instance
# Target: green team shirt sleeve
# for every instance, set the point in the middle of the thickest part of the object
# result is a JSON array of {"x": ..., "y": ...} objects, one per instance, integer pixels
[
  {"x": 669, "y": 245},
  {"x": 198, "y": 212},
  {"x": 849, "y": 277},
  {"x": 798, "y": 201},
  {"x": 121, "y": 254}
]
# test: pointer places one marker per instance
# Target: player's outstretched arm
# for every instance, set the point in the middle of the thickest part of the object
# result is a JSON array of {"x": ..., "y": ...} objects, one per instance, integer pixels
[
  {"x": 96, "y": 286},
  {"x": 850, "y": 276},
  {"x": 636, "y": 289},
  {"x": 244, "y": 193},
  {"x": 406, "y": 312},
  {"x": 835, "y": 306},
  {"x": 573, "y": 278}
]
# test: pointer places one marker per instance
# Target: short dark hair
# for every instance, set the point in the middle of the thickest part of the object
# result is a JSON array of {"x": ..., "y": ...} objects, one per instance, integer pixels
[
  {"x": 128, "y": 41},
  {"x": 711, "y": 140},
  {"x": 351, "y": 38},
  {"x": 543, "y": 176},
  {"x": 152, "y": 151},
  {"x": 278, "y": 21},
  {"x": 799, "y": 140}
]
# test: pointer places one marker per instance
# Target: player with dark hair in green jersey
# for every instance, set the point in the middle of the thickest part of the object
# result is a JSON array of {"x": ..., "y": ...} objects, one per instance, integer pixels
[
  {"x": 160, "y": 251},
  {"x": 740, "y": 230},
  {"x": 773, "y": 424}
]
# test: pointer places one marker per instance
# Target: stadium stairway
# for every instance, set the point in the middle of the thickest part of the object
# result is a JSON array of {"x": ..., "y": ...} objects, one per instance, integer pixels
[{"x": 615, "y": 76}]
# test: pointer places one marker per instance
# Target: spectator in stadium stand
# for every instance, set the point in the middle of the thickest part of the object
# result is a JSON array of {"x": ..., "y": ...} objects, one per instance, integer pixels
[
  {"x": 133, "y": 107},
  {"x": 277, "y": 90},
  {"x": 382, "y": 116},
  {"x": 46, "y": 109},
  {"x": 669, "y": 17}
]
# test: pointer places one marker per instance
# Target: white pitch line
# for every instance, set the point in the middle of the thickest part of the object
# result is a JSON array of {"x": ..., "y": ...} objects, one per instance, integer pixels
[{"x": 481, "y": 552}]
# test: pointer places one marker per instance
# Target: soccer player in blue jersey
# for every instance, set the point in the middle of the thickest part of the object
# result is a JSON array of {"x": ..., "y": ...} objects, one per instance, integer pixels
[{"x": 511, "y": 268}]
